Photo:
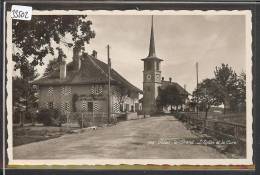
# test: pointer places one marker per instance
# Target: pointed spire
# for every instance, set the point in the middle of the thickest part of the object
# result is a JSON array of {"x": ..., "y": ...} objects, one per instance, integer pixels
[{"x": 152, "y": 44}]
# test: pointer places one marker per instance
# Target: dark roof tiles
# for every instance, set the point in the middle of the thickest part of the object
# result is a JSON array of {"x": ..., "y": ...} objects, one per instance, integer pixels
[{"x": 92, "y": 71}]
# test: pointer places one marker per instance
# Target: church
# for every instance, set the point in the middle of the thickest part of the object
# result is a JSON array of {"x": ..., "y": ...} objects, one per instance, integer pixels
[{"x": 153, "y": 80}]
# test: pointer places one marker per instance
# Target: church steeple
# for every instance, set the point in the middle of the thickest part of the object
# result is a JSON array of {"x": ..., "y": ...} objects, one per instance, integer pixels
[
  {"x": 151, "y": 77},
  {"x": 152, "y": 54},
  {"x": 152, "y": 44}
]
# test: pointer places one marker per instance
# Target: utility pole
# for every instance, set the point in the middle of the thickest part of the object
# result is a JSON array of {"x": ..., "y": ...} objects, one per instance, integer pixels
[
  {"x": 197, "y": 77},
  {"x": 108, "y": 96}
]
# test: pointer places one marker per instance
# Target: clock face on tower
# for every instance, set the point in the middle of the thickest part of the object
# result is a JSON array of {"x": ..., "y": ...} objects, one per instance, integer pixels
[
  {"x": 148, "y": 76},
  {"x": 157, "y": 77}
]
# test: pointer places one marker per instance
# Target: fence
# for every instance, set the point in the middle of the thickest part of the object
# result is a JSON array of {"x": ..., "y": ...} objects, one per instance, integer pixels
[
  {"x": 213, "y": 127},
  {"x": 87, "y": 119}
]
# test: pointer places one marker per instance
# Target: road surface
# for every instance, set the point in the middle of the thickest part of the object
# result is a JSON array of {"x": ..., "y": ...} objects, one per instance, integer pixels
[{"x": 149, "y": 138}]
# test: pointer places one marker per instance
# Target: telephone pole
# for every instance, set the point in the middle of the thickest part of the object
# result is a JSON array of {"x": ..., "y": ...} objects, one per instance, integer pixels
[{"x": 108, "y": 96}]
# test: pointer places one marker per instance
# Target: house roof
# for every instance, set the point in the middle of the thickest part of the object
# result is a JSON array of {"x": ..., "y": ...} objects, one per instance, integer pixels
[{"x": 92, "y": 71}]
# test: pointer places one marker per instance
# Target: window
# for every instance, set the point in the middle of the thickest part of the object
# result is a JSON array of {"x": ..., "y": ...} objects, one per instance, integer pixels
[
  {"x": 65, "y": 90},
  {"x": 157, "y": 65},
  {"x": 35, "y": 87},
  {"x": 67, "y": 106},
  {"x": 50, "y": 105},
  {"x": 121, "y": 108},
  {"x": 127, "y": 107},
  {"x": 50, "y": 91},
  {"x": 132, "y": 108},
  {"x": 90, "y": 106},
  {"x": 83, "y": 105},
  {"x": 149, "y": 65},
  {"x": 96, "y": 90},
  {"x": 136, "y": 106}
]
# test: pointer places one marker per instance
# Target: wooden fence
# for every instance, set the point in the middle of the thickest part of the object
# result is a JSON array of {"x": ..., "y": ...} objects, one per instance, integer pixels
[{"x": 213, "y": 127}]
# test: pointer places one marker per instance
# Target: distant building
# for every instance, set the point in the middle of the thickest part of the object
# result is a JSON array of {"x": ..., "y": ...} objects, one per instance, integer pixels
[
  {"x": 82, "y": 86},
  {"x": 152, "y": 79}
]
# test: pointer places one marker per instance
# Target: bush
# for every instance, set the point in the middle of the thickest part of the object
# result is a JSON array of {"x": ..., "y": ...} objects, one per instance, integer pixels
[
  {"x": 122, "y": 117},
  {"x": 50, "y": 117}
]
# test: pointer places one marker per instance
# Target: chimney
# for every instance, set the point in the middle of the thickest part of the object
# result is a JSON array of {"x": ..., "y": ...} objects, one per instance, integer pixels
[
  {"x": 76, "y": 58},
  {"x": 170, "y": 79},
  {"x": 185, "y": 86},
  {"x": 63, "y": 70},
  {"x": 94, "y": 54},
  {"x": 162, "y": 78}
]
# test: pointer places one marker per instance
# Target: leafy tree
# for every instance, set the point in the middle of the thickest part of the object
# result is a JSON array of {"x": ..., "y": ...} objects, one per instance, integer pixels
[
  {"x": 170, "y": 96},
  {"x": 35, "y": 38},
  {"x": 242, "y": 86},
  {"x": 192, "y": 103},
  {"x": 227, "y": 79},
  {"x": 24, "y": 95},
  {"x": 208, "y": 93},
  {"x": 32, "y": 41},
  {"x": 241, "y": 92},
  {"x": 54, "y": 64}
]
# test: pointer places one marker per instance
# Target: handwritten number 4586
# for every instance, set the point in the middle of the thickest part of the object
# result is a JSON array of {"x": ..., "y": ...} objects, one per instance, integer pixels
[{"x": 19, "y": 14}]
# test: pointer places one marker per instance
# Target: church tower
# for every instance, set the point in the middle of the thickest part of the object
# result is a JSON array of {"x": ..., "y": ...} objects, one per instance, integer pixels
[{"x": 151, "y": 77}]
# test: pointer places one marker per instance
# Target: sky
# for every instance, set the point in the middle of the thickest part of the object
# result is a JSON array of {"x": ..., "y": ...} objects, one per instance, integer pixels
[{"x": 180, "y": 41}]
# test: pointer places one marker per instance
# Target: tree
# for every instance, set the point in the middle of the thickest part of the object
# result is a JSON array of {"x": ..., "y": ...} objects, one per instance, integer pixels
[
  {"x": 208, "y": 93},
  {"x": 24, "y": 96},
  {"x": 227, "y": 79},
  {"x": 170, "y": 96},
  {"x": 54, "y": 64},
  {"x": 35, "y": 38},
  {"x": 241, "y": 95}
]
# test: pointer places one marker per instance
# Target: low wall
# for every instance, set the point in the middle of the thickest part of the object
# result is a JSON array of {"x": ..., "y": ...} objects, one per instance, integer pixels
[{"x": 135, "y": 116}]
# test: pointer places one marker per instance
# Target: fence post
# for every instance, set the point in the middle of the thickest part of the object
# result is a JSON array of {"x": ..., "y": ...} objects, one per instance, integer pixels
[
  {"x": 93, "y": 118},
  {"x": 82, "y": 120},
  {"x": 67, "y": 116},
  {"x": 20, "y": 119},
  {"x": 236, "y": 132}
]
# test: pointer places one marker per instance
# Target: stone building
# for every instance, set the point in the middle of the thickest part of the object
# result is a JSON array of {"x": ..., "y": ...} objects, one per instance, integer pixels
[
  {"x": 82, "y": 86},
  {"x": 152, "y": 79}
]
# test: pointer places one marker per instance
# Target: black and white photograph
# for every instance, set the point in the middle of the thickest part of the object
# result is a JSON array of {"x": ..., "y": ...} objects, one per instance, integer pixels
[{"x": 130, "y": 87}]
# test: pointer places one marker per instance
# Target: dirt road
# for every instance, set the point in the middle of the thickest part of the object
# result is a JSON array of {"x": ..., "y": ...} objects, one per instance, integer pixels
[{"x": 149, "y": 138}]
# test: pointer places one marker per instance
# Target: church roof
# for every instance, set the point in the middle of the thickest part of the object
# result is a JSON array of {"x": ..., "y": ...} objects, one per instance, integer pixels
[
  {"x": 152, "y": 53},
  {"x": 92, "y": 71}
]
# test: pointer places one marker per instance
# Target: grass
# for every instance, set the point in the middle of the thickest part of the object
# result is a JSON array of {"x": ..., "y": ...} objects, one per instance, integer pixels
[{"x": 29, "y": 134}]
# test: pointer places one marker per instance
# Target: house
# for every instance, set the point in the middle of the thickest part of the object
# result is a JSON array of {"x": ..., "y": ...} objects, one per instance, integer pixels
[
  {"x": 82, "y": 86},
  {"x": 152, "y": 79}
]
